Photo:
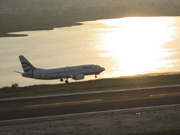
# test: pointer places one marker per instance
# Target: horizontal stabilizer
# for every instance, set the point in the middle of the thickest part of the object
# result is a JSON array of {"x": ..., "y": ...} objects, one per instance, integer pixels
[{"x": 18, "y": 72}]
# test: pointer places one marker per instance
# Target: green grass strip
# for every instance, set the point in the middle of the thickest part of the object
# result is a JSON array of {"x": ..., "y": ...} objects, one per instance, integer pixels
[{"x": 92, "y": 85}]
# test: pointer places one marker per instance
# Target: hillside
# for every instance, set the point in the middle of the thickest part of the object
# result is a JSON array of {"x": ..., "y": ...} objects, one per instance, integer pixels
[{"x": 20, "y": 15}]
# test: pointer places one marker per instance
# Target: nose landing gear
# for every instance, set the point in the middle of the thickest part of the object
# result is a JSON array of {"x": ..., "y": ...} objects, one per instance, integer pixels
[
  {"x": 66, "y": 81},
  {"x": 61, "y": 80}
]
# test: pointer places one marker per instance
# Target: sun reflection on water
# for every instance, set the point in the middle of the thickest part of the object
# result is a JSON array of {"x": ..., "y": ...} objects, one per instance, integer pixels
[{"x": 136, "y": 44}]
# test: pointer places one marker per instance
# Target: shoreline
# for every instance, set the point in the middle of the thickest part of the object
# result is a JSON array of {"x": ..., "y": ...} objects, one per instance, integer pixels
[
  {"x": 14, "y": 33},
  {"x": 35, "y": 23},
  {"x": 44, "y": 15}
]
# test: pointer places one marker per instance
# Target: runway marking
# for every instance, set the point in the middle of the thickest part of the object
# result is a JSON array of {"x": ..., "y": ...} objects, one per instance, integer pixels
[
  {"x": 165, "y": 95},
  {"x": 64, "y": 103},
  {"x": 101, "y": 100}
]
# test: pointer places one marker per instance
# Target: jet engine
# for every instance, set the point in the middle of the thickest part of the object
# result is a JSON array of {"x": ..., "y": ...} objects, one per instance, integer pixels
[{"x": 78, "y": 77}]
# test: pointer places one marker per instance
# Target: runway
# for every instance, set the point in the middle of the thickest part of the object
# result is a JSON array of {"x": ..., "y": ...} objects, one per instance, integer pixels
[{"x": 18, "y": 108}]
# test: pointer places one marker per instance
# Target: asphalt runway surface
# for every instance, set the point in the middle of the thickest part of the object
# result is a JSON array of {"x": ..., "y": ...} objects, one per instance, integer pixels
[{"x": 88, "y": 102}]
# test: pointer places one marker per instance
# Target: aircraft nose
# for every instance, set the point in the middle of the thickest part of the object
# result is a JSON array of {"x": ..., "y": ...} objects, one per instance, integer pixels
[{"x": 102, "y": 68}]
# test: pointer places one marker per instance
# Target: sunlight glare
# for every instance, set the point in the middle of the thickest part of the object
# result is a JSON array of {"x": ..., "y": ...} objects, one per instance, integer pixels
[{"x": 135, "y": 44}]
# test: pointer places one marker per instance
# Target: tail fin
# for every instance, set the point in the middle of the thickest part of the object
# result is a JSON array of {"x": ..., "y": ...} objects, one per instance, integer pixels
[{"x": 26, "y": 65}]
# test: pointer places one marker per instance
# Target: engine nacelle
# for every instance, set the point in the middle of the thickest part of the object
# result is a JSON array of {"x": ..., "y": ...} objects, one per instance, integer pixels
[{"x": 78, "y": 77}]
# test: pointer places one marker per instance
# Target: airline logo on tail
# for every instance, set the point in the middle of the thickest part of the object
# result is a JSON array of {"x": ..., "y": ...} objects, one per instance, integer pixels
[{"x": 26, "y": 65}]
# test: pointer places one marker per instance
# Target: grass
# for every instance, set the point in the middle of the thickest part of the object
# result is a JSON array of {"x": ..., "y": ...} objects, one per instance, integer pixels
[{"x": 92, "y": 85}]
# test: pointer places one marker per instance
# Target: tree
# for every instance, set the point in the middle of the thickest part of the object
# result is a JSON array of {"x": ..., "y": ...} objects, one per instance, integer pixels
[{"x": 14, "y": 85}]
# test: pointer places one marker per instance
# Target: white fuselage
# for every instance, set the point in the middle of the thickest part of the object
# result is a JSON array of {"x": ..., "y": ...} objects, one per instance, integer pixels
[{"x": 75, "y": 72}]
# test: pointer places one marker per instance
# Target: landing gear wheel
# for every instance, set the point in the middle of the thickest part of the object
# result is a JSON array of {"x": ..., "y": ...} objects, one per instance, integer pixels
[
  {"x": 66, "y": 81},
  {"x": 61, "y": 80},
  {"x": 95, "y": 76}
]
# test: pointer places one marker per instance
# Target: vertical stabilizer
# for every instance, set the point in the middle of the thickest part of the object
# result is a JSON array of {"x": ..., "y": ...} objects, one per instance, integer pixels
[{"x": 26, "y": 65}]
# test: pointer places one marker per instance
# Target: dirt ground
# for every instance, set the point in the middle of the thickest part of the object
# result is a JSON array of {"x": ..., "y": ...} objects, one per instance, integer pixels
[{"x": 122, "y": 122}]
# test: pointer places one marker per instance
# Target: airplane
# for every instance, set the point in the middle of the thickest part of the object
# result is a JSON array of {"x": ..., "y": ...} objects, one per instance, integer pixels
[{"x": 73, "y": 72}]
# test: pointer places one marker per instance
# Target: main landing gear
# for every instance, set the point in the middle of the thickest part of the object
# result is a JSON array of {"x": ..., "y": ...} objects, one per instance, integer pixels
[
  {"x": 95, "y": 76},
  {"x": 66, "y": 81}
]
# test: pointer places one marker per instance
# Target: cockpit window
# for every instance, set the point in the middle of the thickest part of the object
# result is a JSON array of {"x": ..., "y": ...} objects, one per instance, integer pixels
[{"x": 87, "y": 67}]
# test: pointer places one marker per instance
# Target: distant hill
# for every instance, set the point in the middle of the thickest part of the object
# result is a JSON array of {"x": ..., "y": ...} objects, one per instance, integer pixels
[
  {"x": 22, "y": 15},
  {"x": 64, "y": 6}
]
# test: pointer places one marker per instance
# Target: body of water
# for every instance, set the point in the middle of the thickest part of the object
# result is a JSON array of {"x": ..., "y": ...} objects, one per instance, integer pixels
[{"x": 124, "y": 46}]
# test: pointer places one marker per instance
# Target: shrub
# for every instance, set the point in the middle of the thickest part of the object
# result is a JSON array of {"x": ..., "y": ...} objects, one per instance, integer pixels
[{"x": 14, "y": 85}]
